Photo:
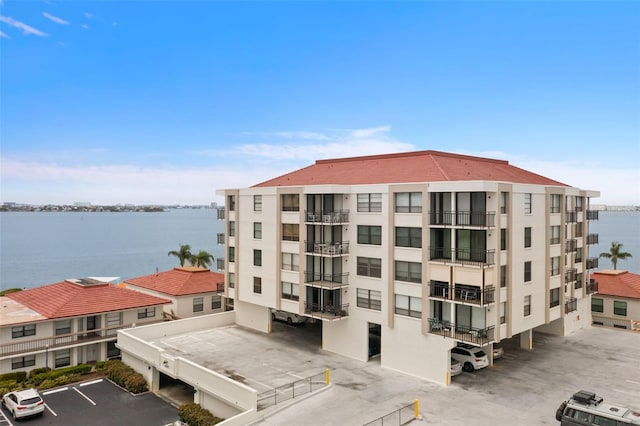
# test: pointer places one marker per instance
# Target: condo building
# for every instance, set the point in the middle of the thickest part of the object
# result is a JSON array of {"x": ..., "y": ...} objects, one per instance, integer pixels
[{"x": 408, "y": 255}]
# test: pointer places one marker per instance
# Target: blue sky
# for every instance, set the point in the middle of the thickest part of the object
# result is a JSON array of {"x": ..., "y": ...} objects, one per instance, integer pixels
[{"x": 165, "y": 102}]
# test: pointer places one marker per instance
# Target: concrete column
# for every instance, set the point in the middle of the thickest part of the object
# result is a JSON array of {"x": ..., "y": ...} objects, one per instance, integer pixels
[
  {"x": 526, "y": 339},
  {"x": 154, "y": 382}
]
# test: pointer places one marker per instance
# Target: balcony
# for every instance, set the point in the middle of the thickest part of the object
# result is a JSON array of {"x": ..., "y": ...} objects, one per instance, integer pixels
[
  {"x": 592, "y": 286},
  {"x": 221, "y": 213},
  {"x": 592, "y": 239},
  {"x": 328, "y": 281},
  {"x": 592, "y": 214},
  {"x": 571, "y": 217},
  {"x": 570, "y": 304},
  {"x": 592, "y": 263},
  {"x": 476, "y": 336},
  {"x": 570, "y": 275},
  {"x": 326, "y": 249},
  {"x": 331, "y": 218},
  {"x": 462, "y": 256},
  {"x": 220, "y": 237},
  {"x": 571, "y": 246},
  {"x": 326, "y": 312},
  {"x": 463, "y": 218}
]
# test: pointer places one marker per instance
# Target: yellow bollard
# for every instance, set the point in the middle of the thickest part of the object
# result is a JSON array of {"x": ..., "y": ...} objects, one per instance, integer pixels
[
  {"x": 327, "y": 376},
  {"x": 416, "y": 408}
]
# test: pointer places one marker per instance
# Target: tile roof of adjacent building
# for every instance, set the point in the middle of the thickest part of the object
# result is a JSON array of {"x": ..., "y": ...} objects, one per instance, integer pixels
[
  {"x": 180, "y": 281},
  {"x": 71, "y": 298},
  {"x": 408, "y": 167},
  {"x": 618, "y": 283},
  {"x": 13, "y": 312}
]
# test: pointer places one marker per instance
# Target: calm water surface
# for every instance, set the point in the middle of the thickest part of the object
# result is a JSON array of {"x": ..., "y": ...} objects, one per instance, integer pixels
[{"x": 38, "y": 248}]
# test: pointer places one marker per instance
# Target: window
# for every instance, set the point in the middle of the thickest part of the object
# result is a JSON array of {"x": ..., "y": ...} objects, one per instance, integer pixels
[
  {"x": 216, "y": 302},
  {"x": 290, "y": 291},
  {"x": 369, "y": 267},
  {"x": 578, "y": 255},
  {"x": 232, "y": 254},
  {"x": 579, "y": 228},
  {"x": 408, "y": 202},
  {"x": 603, "y": 421},
  {"x": 527, "y": 203},
  {"x": 555, "y": 203},
  {"x": 578, "y": 280},
  {"x": 408, "y": 271},
  {"x": 555, "y": 235},
  {"x": 504, "y": 200},
  {"x": 290, "y": 232},
  {"x": 527, "y": 237},
  {"x": 231, "y": 201},
  {"x": 408, "y": 237},
  {"x": 579, "y": 204},
  {"x": 503, "y": 310},
  {"x": 62, "y": 327},
  {"x": 370, "y": 202},
  {"x": 257, "y": 285},
  {"x": 232, "y": 280},
  {"x": 409, "y": 306},
  {"x": 620, "y": 308},
  {"x": 257, "y": 203},
  {"x": 290, "y": 202},
  {"x": 291, "y": 261},
  {"x": 232, "y": 228},
  {"x": 527, "y": 271},
  {"x": 146, "y": 313},
  {"x": 369, "y": 234},
  {"x": 597, "y": 304},
  {"x": 370, "y": 299},
  {"x": 527, "y": 306},
  {"x": 503, "y": 239},
  {"x": 554, "y": 297},
  {"x": 114, "y": 319},
  {"x": 555, "y": 265},
  {"x": 257, "y": 257},
  {"x": 257, "y": 230},
  {"x": 198, "y": 304},
  {"x": 23, "y": 362},
  {"x": 63, "y": 358},
  {"x": 23, "y": 331},
  {"x": 503, "y": 275}
]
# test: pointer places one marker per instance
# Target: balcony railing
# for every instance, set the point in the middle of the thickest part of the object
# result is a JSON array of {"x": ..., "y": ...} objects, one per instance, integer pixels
[
  {"x": 462, "y": 256},
  {"x": 221, "y": 213},
  {"x": 462, "y": 218},
  {"x": 570, "y": 304},
  {"x": 571, "y": 217},
  {"x": 570, "y": 246},
  {"x": 329, "y": 249},
  {"x": 592, "y": 239},
  {"x": 56, "y": 342},
  {"x": 324, "y": 280},
  {"x": 592, "y": 286},
  {"x": 326, "y": 311},
  {"x": 570, "y": 275},
  {"x": 332, "y": 218},
  {"x": 477, "y": 336},
  {"x": 592, "y": 263},
  {"x": 467, "y": 294},
  {"x": 220, "y": 238},
  {"x": 592, "y": 214}
]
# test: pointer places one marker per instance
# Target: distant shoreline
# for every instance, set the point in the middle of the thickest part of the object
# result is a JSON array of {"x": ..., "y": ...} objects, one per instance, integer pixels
[{"x": 94, "y": 209}]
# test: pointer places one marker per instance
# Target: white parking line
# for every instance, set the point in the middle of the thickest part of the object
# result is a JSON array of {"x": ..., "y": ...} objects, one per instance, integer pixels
[
  {"x": 93, "y": 382},
  {"x": 86, "y": 397},
  {"x": 4, "y": 419},
  {"x": 56, "y": 390},
  {"x": 50, "y": 410}
]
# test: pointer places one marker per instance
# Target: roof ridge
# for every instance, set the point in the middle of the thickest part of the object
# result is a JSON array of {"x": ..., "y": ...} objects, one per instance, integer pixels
[{"x": 428, "y": 152}]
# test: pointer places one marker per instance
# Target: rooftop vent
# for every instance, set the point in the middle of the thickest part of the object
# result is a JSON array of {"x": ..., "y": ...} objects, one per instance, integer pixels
[{"x": 86, "y": 282}]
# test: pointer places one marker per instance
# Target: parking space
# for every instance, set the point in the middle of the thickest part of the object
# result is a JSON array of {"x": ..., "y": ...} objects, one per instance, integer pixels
[{"x": 101, "y": 403}]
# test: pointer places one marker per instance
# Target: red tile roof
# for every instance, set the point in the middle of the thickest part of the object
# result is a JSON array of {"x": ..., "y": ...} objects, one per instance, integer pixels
[
  {"x": 69, "y": 299},
  {"x": 618, "y": 283},
  {"x": 180, "y": 281},
  {"x": 418, "y": 166}
]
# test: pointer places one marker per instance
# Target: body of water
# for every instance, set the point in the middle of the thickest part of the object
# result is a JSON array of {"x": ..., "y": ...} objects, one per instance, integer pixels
[{"x": 38, "y": 248}]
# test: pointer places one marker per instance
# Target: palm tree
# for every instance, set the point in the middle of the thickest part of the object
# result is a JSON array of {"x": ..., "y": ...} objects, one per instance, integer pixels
[
  {"x": 615, "y": 254},
  {"x": 203, "y": 259},
  {"x": 184, "y": 254}
]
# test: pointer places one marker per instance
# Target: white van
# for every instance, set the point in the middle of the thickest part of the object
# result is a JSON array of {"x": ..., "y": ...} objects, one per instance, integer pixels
[{"x": 586, "y": 409}]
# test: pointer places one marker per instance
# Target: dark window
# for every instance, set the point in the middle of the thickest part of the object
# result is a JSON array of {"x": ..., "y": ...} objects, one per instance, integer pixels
[
  {"x": 527, "y": 237},
  {"x": 527, "y": 203},
  {"x": 619, "y": 308},
  {"x": 23, "y": 361},
  {"x": 216, "y": 301},
  {"x": 232, "y": 280},
  {"x": 231, "y": 201},
  {"x": 408, "y": 202},
  {"x": 257, "y": 203},
  {"x": 112, "y": 350},
  {"x": 527, "y": 271},
  {"x": 370, "y": 299},
  {"x": 232, "y": 229},
  {"x": 369, "y": 234},
  {"x": 408, "y": 237},
  {"x": 504, "y": 200},
  {"x": 503, "y": 239},
  {"x": 257, "y": 285},
  {"x": 290, "y": 291},
  {"x": 232, "y": 254},
  {"x": 370, "y": 202},
  {"x": 146, "y": 313},
  {"x": 527, "y": 306},
  {"x": 408, "y": 305},
  {"x": 290, "y": 202},
  {"x": 198, "y": 304},
  {"x": 257, "y": 230},
  {"x": 369, "y": 267},
  {"x": 503, "y": 275},
  {"x": 554, "y": 297},
  {"x": 257, "y": 257},
  {"x": 290, "y": 232},
  {"x": 23, "y": 331},
  {"x": 555, "y": 265},
  {"x": 555, "y": 203},
  {"x": 63, "y": 358},
  {"x": 63, "y": 327},
  {"x": 408, "y": 271}
]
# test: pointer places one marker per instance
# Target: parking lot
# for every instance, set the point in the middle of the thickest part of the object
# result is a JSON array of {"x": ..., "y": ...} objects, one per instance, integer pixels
[{"x": 99, "y": 403}]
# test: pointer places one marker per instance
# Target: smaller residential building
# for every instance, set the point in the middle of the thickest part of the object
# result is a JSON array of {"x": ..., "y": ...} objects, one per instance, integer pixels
[
  {"x": 617, "y": 303},
  {"x": 193, "y": 291},
  {"x": 68, "y": 323}
]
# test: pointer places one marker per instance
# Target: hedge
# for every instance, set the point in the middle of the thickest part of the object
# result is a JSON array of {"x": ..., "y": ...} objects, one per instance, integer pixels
[
  {"x": 18, "y": 376},
  {"x": 194, "y": 415},
  {"x": 38, "y": 378},
  {"x": 125, "y": 376}
]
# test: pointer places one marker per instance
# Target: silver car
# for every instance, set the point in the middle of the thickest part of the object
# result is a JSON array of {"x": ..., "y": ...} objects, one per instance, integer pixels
[
  {"x": 23, "y": 403},
  {"x": 289, "y": 317}
]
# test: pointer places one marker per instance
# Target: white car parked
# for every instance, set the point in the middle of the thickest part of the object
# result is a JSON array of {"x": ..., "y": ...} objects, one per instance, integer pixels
[
  {"x": 456, "y": 367},
  {"x": 289, "y": 317},
  {"x": 472, "y": 358},
  {"x": 23, "y": 403}
]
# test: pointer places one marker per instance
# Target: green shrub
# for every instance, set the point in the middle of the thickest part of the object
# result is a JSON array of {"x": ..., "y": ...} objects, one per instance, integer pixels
[
  {"x": 18, "y": 376},
  {"x": 100, "y": 365},
  {"x": 194, "y": 415},
  {"x": 37, "y": 377},
  {"x": 136, "y": 383},
  {"x": 47, "y": 384},
  {"x": 39, "y": 370},
  {"x": 125, "y": 376}
]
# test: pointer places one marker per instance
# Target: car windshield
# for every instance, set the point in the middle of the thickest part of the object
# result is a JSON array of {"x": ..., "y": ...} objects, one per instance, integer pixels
[
  {"x": 480, "y": 354},
  {"x": 30, "y": 401}
]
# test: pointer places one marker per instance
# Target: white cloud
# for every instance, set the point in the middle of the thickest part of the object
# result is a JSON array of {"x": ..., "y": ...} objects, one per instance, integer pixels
[
  {"x": 3, "y": 35},
  {"x": 55, "y": 19},
  {"x": 290, "y": 135},
  {"x": 26, "y": 29},
  {"x": 85, "y": 26},
  {"x": 88, "y": 15},
  {"x": 365, "y": 133}
]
